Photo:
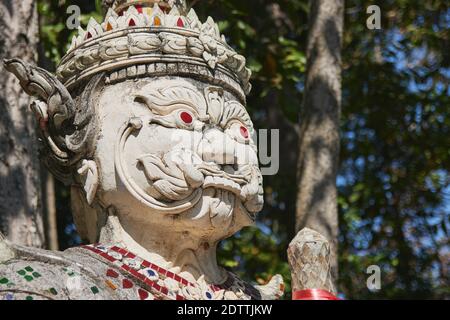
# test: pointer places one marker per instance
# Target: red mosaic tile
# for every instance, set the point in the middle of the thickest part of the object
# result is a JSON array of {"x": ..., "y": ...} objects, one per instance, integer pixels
[
  {"x": 92, "y": 249},
  {"x": 214, "y": 288},
  {"x": 177, "y": 278},
  {"x": 156, "y": 286},
  {"x": 138, "y": 275},
  {"x": 107, "y": 257},
  {"x": 127, "y": 284},
  {"x": 165, "y": 290},
  {"x": 161, "y": 270},
  {"x": 143, "y": 294},
  {"x": 111, "y": 273},
  {"x": 122, "y": 252}
]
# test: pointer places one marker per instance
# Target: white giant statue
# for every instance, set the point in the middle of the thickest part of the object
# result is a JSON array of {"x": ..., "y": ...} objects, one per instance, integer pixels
[{"x": 146, "y": 121}]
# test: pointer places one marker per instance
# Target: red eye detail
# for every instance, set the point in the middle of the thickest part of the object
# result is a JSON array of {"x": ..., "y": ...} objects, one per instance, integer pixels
[
  {"x": 186, "y": 117},
  {"x": 244, "y": 132}
]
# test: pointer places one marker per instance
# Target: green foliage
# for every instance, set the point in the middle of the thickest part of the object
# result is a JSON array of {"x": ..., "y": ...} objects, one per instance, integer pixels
[
  {"x": 254, "y": 250},
  {"x": 394, "y": 188},
  {"x": 54, "y": 34},
  {"x": 394, "y": 180}
]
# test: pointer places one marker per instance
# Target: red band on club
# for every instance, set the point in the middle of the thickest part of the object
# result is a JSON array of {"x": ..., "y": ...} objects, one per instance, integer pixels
[{"x": 313, "y": 294}]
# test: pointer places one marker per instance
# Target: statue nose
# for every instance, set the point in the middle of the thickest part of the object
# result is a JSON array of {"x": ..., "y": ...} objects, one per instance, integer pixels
[{"x": 217, "y": 147}]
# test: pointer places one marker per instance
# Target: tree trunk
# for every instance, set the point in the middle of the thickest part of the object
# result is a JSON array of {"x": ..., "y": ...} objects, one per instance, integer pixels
[
  {"x": 319, "y": 124},
  {"x": 20, "y": 188},
  {"x": 49, "y": 204}
]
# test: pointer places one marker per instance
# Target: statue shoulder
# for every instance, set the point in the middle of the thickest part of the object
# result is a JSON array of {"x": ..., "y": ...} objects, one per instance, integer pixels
[{"x": 36, "y": 274}]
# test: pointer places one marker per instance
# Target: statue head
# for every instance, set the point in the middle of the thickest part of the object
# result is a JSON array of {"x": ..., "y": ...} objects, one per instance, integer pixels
[{"x": 147, "y": 115}]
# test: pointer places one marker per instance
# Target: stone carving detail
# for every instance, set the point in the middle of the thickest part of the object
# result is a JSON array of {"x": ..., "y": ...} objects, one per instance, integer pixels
[
  {"x": 101, "y": 45},
  {"x": 309, "y": 259},
  {"x": 63, "y": 130},
  {"x": 167, "y": 176},
  {"x": 177, "y": 174}
]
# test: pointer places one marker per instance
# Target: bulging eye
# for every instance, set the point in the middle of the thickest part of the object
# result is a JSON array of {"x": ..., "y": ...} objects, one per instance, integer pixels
[
  {"x": 180, "y": 118},
  {"x": 244, "y": 132},
  {"x": 186, "y": 117},
  {"x": 239, "y": 132}
]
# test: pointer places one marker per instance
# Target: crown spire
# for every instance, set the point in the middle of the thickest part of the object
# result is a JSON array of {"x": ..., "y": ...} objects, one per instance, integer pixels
[
  {"x": 166, "y": 5},
  {"x": 153, "y": 37}
]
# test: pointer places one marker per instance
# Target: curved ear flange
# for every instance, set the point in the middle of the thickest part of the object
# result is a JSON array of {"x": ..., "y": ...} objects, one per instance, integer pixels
[
  {"x": 39, "y": 82},
  {"x": 89, "y": 176},
  {"x": 55, "y": 111}
]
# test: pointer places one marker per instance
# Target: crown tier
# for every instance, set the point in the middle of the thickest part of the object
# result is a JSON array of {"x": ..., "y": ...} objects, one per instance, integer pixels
[
  {"x": 119, "y": 6},
  {"x": 146, "y": 34}
]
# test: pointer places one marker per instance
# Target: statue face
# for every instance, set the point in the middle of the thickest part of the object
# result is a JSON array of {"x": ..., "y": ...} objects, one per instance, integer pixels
[{"x": 178, "y": 153}]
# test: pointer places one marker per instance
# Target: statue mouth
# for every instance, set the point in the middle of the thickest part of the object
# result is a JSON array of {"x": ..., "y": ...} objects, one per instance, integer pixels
[
  {"x": 175, "y": 180},
  {"x": 245, "y": 183},
  {"x": 216, "y": 177},
  {"x": 223, "y": 183}
]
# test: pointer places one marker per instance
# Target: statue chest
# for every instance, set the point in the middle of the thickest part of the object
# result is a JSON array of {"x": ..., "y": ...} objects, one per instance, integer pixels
[{"x": 99, "y": 272}]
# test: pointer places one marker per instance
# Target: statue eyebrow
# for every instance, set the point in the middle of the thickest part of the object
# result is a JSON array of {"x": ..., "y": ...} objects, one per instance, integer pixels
[{"x": 165, "y": 100}]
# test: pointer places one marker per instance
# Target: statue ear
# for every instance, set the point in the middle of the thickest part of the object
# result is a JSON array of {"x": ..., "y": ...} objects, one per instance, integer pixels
[
  {"x": 47, "y": 88},
  {"x": 55, "y": 110},
  {"x": 89, "y": 176}
]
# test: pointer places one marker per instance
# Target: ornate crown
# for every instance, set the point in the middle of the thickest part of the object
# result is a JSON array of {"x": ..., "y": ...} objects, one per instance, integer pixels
[{"x": 152, "y": 37}]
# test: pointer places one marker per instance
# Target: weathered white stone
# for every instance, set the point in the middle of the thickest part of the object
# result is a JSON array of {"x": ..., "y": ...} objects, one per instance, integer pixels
[{"x": 158, "y": 162}]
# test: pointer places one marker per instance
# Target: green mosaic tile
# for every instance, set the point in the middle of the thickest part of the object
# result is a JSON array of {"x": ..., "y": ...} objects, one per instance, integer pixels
[
  {"x": 53, "y": 291},
  {"x": 4, "y": 281},
  {"x": 36, "y": 274},
  {"x": 22, "y": 272},
  {"x": 29, "y": 298},
  {"x": 29, "y": 269},
  {"x": 29, "y": 278},
  {"x": 94, "y": 290}
]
